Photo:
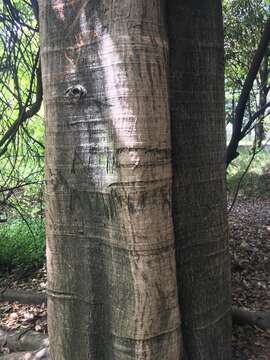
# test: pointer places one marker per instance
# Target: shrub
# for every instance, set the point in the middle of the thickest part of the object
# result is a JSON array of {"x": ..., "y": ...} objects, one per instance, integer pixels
[{"x": 22, "y": 245}]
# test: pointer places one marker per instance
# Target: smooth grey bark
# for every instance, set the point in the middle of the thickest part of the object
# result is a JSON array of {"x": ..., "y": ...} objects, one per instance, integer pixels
[
  {"x": 112, "y": 291},
  {"x": 199, "y": 191}
]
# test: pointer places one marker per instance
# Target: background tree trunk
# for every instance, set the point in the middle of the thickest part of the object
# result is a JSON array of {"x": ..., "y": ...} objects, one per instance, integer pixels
[
  {"x": 199, "y": 191},
  {"x": 112, "y": 290},
  {"x": 263, "y": 92}
]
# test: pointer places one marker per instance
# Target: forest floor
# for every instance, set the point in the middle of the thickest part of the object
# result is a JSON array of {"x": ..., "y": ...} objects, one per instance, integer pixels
[{"x": 250, "y": 249}]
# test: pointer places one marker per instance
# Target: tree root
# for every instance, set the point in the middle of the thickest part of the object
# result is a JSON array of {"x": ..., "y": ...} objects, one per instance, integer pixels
[
  {"x": 24, "y": 345},
  {"x": 23, "y": 297},
  {"x": 261, "y": 319},
  {"x": 42, "y": 354}
]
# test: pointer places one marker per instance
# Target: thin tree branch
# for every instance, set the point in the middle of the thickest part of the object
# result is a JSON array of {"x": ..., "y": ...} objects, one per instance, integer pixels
[
  {"x": 24, "y": 115},
  {"x": 241, "y": 106},
  {"x": 252, "y": 119}
]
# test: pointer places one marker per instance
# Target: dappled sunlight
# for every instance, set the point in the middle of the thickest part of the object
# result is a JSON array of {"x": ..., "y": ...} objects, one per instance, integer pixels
[
  {"x": 115, "y": 169},
  {"x": 117, "y": 90},
  {"x": 108, "y": 109}
]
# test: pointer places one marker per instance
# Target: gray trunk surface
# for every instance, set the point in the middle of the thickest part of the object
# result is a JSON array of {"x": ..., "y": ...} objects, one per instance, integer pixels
[
  {"x": 112, "y": 291},
  {"x": 199, "y": 189}
]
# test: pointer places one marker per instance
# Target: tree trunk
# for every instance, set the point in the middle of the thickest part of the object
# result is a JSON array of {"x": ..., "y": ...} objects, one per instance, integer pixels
[
  {"x": 199, "y": 192},
  {"x": 263, "y": 92},
  {"x": 112, "y": 290}
]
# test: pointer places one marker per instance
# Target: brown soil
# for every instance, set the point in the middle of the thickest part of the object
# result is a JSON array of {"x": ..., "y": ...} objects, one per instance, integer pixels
[{"x": 250, "y": 249}]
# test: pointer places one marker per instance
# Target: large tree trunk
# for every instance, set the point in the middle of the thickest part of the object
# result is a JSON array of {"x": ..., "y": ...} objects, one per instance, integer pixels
[
  {"x": 199, "y": 192},
  {"x": 112, "y": 290}
]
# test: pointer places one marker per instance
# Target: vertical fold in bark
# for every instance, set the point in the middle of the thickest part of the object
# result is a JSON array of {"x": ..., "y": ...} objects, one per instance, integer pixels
[
  {"x": 199, "y": 191},
  {"x": 112, "y": 290}
]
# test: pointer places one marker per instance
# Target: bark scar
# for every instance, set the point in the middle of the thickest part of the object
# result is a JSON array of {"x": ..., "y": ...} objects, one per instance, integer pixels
[{"x": 76, "y": 91}]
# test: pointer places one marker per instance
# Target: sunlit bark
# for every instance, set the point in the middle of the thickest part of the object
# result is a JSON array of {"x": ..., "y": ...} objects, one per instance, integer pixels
[{"x": 110, "y": 247}]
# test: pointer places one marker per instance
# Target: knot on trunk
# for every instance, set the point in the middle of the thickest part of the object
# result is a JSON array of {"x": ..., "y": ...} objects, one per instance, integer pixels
[{"x": 76, "y": 91}]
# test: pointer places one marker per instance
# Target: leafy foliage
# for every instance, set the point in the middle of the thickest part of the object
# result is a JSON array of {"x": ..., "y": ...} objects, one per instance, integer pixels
[
  {"x": 21, "y": 137},
  {"x": 257, "y": 181},
  {"x": 22, "y": 245},
  {"x": 244, "y": 22},
  {"x": 244, "y": 26},
  {"x": 21, "y": 126}
]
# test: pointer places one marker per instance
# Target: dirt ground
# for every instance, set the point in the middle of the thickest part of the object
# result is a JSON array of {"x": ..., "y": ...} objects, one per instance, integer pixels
[{"x": 250, "y": 250}]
